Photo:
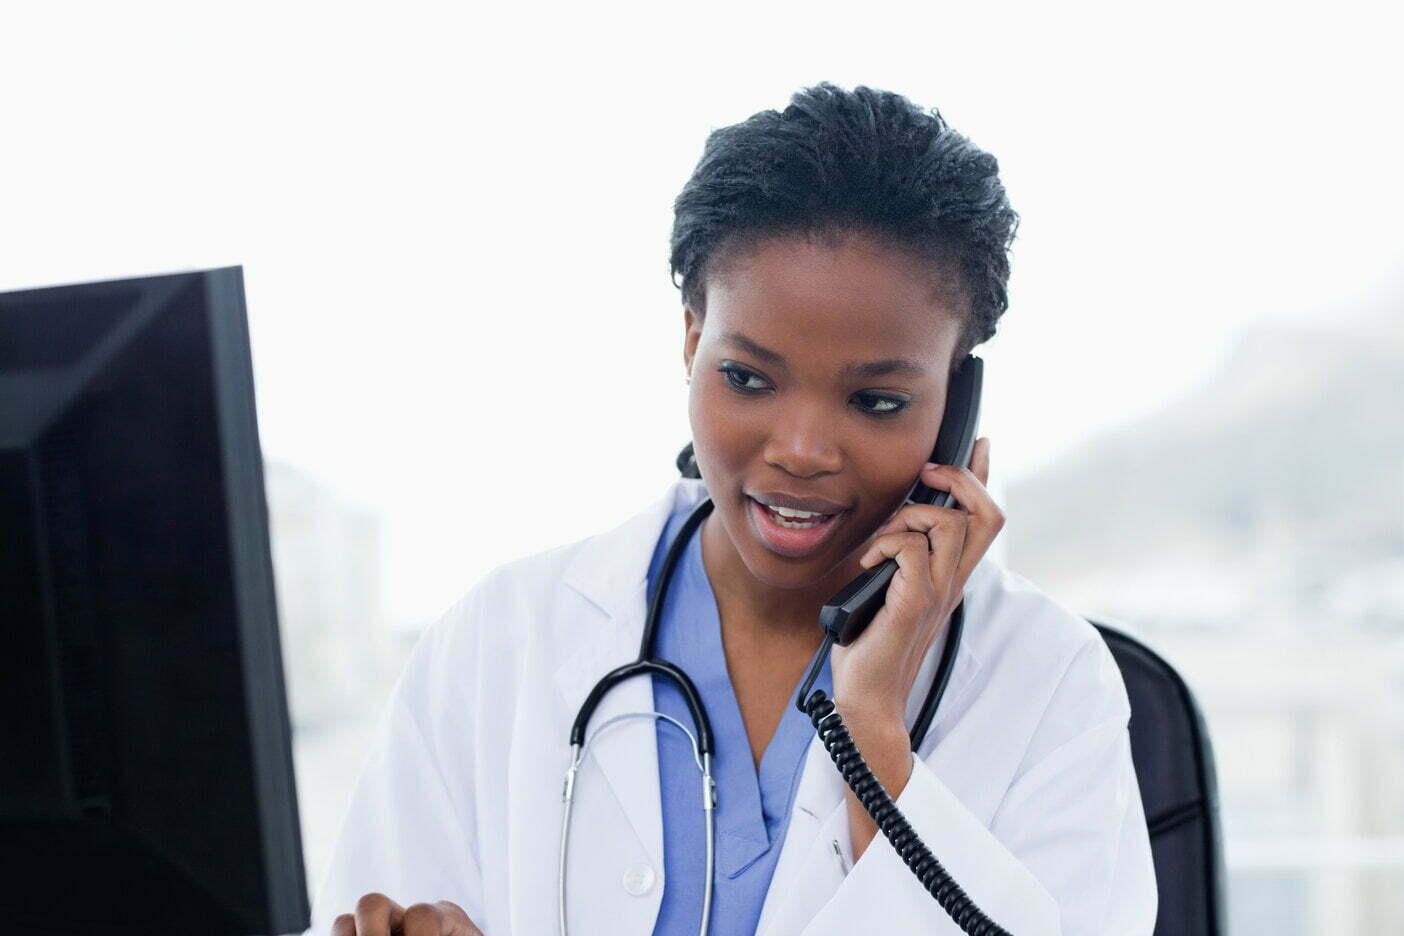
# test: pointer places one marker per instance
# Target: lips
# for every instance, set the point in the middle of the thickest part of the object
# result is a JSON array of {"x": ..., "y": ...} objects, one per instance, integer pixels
[{"x": 791, "y": 543}]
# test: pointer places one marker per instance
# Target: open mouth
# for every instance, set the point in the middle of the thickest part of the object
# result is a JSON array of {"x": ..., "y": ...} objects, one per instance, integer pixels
[{"x": 792, "y": 537}]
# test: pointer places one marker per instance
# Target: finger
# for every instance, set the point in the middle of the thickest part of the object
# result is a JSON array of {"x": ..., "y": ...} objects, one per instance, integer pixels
[
  {"x": 425, "y": 919},
  {"x": 910, "y": 606},
  {"x": 955, "y": 543},
  {"x": 911, "y": 551},
  {"x": 892, "y": 545},
  {"x": 344, "y": 925},
  {"x": 926, "y": 519},
  {"x": 970, "y": 493},
  {"x": 378, "y": 915},
  {"x": 946, "y": 531},
  {"x": 457, "y": 920},
  {"x": 986, "y": 517},
  {"x": 980, "y": 460},
  {"x": 949, "y": 539}
]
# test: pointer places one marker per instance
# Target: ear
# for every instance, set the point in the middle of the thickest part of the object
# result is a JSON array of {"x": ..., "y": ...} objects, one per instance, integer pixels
[{"x": 692, "y": 334}]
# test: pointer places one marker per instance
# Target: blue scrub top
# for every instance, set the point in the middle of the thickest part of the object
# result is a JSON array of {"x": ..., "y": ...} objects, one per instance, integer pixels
[{"x": 753, "y": 812}]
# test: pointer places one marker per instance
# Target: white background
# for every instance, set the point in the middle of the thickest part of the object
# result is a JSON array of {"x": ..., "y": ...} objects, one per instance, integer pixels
[{"x": 453, "y": 224}]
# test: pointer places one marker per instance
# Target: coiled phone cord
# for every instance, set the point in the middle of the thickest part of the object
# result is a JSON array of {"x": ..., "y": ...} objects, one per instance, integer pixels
[{"x": 837, "y": 741}]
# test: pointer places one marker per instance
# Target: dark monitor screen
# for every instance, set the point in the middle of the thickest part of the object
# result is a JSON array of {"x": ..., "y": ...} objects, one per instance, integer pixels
[{"x": 147, "y": 779}]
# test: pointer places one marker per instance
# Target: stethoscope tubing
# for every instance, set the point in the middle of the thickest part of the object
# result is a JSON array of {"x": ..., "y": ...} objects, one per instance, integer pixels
[{"x": 709, "y": 803}]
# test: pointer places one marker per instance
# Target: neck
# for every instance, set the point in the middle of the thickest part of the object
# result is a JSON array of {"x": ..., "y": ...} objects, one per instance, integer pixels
[{"x": 786, "y": 614}]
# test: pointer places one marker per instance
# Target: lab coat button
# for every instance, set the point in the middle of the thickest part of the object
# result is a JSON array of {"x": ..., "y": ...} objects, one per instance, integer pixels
[{"x": 638, "y": 879}]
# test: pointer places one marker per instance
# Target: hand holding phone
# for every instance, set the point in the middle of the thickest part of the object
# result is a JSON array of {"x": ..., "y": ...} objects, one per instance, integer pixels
[{"x": 934, "y": 551}]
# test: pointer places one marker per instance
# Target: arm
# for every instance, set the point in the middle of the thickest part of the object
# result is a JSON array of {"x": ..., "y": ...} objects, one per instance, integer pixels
[
  {"x": 885, "y": 748},
  {"x": 1065, "y": 853},
  {"x": 404, "y": 834}
]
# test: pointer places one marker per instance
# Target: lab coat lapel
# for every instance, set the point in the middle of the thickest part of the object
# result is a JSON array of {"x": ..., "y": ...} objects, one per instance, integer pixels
[
  {"x": 611, "y": 571},
  {"x": 808, "y": 871},
  {"x": 626, "y": 754}
]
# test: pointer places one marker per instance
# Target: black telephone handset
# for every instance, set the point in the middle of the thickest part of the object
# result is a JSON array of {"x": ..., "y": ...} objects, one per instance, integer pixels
[{"x": 848, "y": 613}]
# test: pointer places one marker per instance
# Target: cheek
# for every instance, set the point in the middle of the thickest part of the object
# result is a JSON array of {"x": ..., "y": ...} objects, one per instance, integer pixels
[
  {"x": 722, "y": 432},
  {"x": 882, "y": 499}
]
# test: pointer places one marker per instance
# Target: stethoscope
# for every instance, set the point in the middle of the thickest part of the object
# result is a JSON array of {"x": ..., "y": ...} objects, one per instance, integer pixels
[{"x": 702, "y": 741}]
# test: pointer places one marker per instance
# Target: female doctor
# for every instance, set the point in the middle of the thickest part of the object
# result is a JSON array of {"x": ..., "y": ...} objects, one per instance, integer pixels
[{"x": 837, "y": 259}]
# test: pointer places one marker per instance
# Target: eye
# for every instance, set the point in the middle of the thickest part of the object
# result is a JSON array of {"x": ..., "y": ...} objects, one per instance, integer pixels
[
  {"x": 732, "y": 371},
  {"x": 875, "y": 404},
  {"x": 893, "y": 404}
]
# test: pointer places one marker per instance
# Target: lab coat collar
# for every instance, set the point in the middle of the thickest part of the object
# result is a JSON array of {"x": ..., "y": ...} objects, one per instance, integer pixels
[{"x": 612, "y": 566}]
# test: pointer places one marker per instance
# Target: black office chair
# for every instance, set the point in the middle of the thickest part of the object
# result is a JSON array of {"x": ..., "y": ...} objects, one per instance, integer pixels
[{"x": 1175, "y": 769}]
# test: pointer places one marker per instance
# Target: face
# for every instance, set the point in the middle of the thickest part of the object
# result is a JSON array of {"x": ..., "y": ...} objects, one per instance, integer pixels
[{"x": 780, "y": 402}]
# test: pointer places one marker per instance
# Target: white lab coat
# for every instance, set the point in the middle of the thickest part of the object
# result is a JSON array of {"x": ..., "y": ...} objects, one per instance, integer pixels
[{"x": 1024, "y": 788}]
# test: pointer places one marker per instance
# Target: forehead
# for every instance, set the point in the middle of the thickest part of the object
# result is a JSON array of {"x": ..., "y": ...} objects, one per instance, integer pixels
[{"x": 833, "y": 301}]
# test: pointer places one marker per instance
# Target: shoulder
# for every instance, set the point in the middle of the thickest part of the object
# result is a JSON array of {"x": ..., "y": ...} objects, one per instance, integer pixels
[
  {"x": 1020, "y": 621},
  {"x": 555, "y": 596},
  {"x": 505, "y": 608},
  {"x": 499, "y": 639},
  {"x": 1039, "y": 658}
]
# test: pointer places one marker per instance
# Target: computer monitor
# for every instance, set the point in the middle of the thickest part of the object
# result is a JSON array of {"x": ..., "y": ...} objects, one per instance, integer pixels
[{"x": 146, "y": 776}]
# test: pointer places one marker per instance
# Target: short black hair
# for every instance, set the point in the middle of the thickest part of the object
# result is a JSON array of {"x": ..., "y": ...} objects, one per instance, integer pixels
[{"x": 865, "y": 161}]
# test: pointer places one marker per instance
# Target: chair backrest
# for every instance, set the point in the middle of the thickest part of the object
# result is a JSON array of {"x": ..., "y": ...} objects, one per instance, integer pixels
[{"x": 1175, "y": 770}]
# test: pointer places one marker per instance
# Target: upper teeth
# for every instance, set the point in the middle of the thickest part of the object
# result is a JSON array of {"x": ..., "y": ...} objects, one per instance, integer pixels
[{"x": 797, "y": 514}]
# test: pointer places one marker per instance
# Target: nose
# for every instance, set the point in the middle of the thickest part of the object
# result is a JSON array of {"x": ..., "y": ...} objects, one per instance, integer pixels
[{"x": 803, "y": 443}]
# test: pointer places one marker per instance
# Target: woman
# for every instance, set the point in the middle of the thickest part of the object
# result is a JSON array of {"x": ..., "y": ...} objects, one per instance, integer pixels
[{"x": 838, "y": 260}]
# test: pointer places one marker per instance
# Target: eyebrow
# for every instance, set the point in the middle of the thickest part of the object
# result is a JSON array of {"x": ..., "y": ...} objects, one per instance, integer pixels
[{"x": 865, "y": 370}]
